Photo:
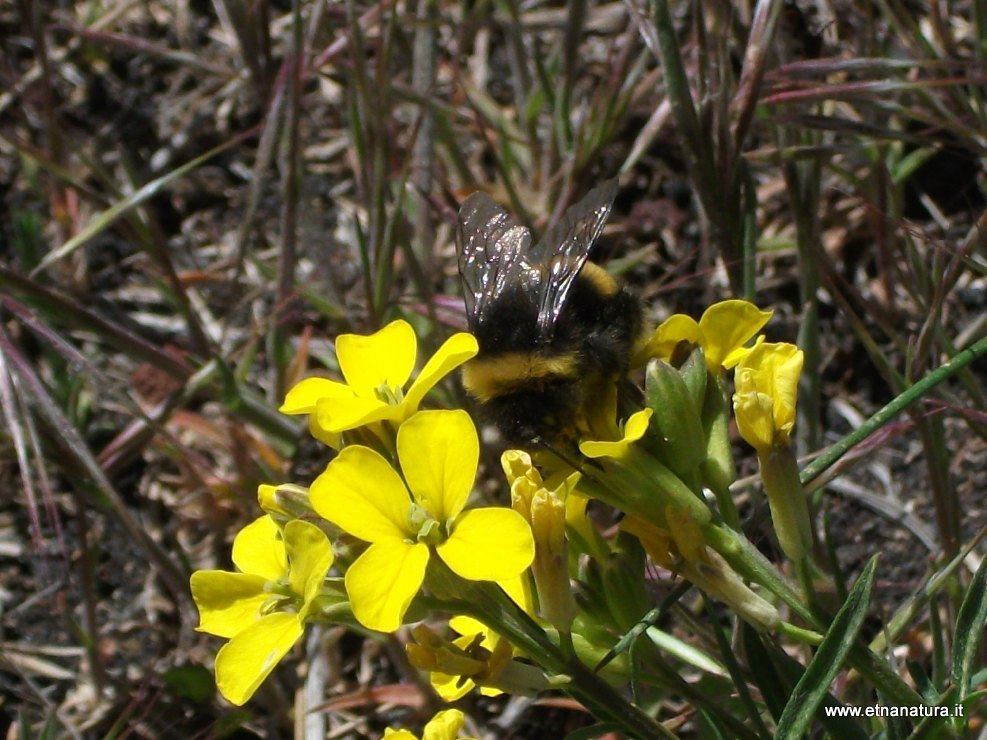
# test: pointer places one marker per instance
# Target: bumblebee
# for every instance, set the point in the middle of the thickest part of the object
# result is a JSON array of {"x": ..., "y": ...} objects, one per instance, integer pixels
[{"x": 555, "y": 331}]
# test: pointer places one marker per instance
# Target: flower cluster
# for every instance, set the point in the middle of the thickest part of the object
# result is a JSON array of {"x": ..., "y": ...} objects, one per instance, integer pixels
[
  {"x": 386, "y": 534},
  {"x": 403, "y": 491}
]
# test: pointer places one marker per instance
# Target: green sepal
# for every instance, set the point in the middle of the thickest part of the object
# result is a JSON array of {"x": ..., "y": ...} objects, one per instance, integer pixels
[{"x": 676, "y": 417}]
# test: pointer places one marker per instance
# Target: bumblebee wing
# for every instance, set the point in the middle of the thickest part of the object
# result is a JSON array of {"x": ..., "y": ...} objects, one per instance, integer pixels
[
  {"x": 492, "y": 247},
  {"x": 562, "y": 252}
]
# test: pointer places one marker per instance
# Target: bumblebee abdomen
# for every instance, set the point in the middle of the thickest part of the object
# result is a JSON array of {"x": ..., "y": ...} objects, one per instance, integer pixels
[
  {"x": 492, "y": 376},
  {"x": 540, "y": 411}
]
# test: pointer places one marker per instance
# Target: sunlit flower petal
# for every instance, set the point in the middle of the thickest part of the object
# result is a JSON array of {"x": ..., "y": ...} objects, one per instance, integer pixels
[
  {"x": 576, "y": 517},
  {"x": 334, "y": 415},
  {"x": 671, "y": 332},
  {"x": 325, "y": 436},
  {"x": 386, "y": 357},
  {"x": 491, "y": 544},
  {"x": 456, "y": 350},
  {"x": 634, "y": 428},
  {"x": 382, "y": 582},
  {"x": 360, "y": 493},
  {"x": 766, "y": 383},
  {"x": 728, "y": 325},
  {"x": 451, "y": 688},
  {"x": 439, "y": 452},
  {"x": 722, "y": 332},
  {"x": 228, "y": 603},
  {"x": 267, "y": 498},
  {"x": 305, "y": 395},
  {"x": 377, "y": 368},
  {"x": 519, "y": 591},
  {"x": 246, "y": 660},
  {"x": 444, "y": 726},
  {"x": 258, "y": 549},
  {"x": 310, "y": 555},
  {"x": 754, "y": 412},
  {"x": 392, "y": 734}
]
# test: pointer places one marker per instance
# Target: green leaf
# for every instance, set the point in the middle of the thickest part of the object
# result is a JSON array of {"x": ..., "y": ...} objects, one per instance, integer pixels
[
  {"x": 969, "y": 630},
  {"x": 773, "y": 688},
  {"x": 775, "y": 672},
  {"x": 811, "y": 690}
]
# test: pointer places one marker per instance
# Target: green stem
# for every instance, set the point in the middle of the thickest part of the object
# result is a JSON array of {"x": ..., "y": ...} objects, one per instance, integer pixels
[
  {"x": 489, "y": 603},
  {"x": 814, "y": 469},
  {"x": 799, "y": 634},
  {"x": 751, "y": 564}
]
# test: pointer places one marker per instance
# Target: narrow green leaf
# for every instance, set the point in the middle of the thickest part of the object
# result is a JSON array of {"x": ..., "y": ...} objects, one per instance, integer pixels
[
  {"x": 774, "y": 689},
  {"x": 970, "y": 624},
  {"x": 775, "y": 672},
  {"x": 812, "y": 688},
  {"x": 145, "y": 192}
]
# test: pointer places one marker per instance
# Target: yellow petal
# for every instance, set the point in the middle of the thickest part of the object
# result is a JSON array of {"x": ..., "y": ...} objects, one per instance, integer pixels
[
  {"x": 520, "y": 592},
  {"x": 637, "y": 424},
  {"x": 456, "y": 350},
  {"x": 360, "y": 493},
  {"x": 517, "y": 464},
  {"x": 267, "y": 498},
  {"x": 258, "y": 549},
  {"x": 470, "y": 627},
  {"x": 384, "y": 358},
  {"x": 325, "y": 436},
  {"x": 766, "y": 383},
  {"x": 382, "y": 582},
  {"x": 246, "y": 660},
  {"x": 450, "y": 688},
  {"x": 576, "y": 517},
  {"x": 310, "y": 556},
  {"x": 439, "y": 452},
  {"x": 492, "y": 544},
  {"x": 755, "y": 418},
  {"x": 675, "y": 329},
  {"x": 334, "y": 415},
  {"x": 783, "y": 361},
  {"x": 391, "y": 734},
  {"x": 736, "y": 356},
  {"x": 228, "y": 602},
  {"x": 728, "y": 325},
  {"x": 444, "y": 726},
  {"x": 305, "y": 395},
  {"x": 634, "y": 428}
]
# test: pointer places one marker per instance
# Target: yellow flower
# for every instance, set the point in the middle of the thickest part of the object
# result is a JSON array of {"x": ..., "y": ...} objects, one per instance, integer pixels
[
  {"x": 376, "y": 369},
  {"x": 517, "y": 464},
  {"x": 766, "y": 384},
  {"x": 634, "y": 429},
  {"x": 363, "y": 495},
  {"x": 544, "y": 507},
  {"x": 443, "y": 726},
  {"x": 476, "y": 637},
  {"x": 722, "y": 332},
  {"x": 263, "y": 608},
  {"x": 637, "y": 482}
]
